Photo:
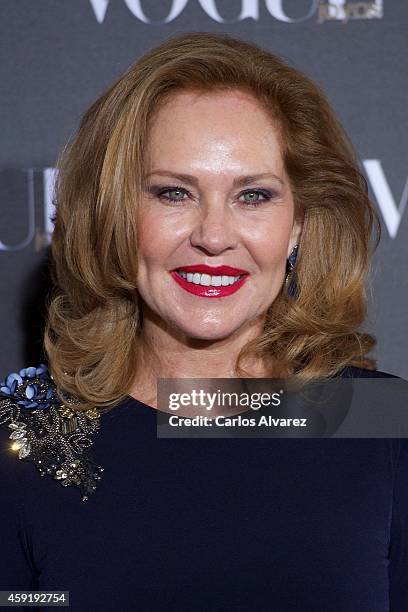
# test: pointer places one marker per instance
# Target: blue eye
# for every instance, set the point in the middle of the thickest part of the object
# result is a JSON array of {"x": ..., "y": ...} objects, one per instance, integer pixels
[
  {"x": 160, "y": 192},
  {"x": 267, "y": 195}
]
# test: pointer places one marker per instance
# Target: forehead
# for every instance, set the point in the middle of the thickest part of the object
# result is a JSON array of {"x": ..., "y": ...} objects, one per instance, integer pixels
[{"x": 231, "y": 126}]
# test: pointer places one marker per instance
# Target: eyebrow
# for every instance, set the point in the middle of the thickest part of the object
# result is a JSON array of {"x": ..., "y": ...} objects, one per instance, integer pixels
[{"x": 239, "y": 181}]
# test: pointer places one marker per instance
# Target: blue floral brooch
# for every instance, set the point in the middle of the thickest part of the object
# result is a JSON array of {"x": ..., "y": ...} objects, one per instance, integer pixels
[{"x": 47, "y": 432}]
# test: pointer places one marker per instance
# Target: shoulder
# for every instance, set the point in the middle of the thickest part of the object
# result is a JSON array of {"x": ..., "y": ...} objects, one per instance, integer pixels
[
  {"x": 354, "y": 372},
  {"x": 40, "y": 428}
]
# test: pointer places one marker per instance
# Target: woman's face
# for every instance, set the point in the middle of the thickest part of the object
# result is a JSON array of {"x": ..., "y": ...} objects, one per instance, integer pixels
[{"x": 235, "y": 209}]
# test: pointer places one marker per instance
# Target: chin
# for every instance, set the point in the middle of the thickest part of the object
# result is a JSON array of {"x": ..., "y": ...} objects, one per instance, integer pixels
[{"x": 208, "y": 332}]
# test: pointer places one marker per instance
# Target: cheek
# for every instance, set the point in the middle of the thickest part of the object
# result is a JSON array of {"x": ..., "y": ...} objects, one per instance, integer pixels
[
  {"x": 160, "y": 234},
  {"x": 269, "y": 244},
  {"x": 153, "y": 239}
]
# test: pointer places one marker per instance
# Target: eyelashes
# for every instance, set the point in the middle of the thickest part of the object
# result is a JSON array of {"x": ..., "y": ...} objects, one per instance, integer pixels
[{"x": 159, "y": 192}]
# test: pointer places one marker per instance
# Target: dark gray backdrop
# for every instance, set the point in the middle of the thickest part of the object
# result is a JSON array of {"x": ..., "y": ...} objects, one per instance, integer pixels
[{"x": 58, "y": 56}]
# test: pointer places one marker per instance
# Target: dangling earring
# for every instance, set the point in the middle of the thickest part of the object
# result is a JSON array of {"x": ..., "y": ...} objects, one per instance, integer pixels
[{"x": 290, "y": 283}]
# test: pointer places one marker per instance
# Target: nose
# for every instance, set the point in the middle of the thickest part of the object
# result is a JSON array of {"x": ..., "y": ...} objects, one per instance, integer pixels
[{"x": 215, "y": 230}]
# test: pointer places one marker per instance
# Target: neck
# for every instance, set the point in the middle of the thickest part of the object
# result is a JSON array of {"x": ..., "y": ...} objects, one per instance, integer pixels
[{"x": 165, "y": 353}]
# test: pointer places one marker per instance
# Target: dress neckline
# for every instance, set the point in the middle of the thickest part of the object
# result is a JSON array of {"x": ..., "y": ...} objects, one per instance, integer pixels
[
  {"x": 129, "y": 399},
  {"x": 348, "y": 371}
]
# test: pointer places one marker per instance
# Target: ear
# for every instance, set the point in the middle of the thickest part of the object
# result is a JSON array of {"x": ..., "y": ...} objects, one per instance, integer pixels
[{"x": 295, "y": 235}]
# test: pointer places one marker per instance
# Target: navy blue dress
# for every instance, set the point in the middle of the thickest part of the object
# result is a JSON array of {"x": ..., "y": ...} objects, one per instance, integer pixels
[{"x": 285, "y": 525}]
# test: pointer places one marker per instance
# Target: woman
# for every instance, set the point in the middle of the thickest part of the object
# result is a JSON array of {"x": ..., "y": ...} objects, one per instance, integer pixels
[{"x": 211, "y": 222}]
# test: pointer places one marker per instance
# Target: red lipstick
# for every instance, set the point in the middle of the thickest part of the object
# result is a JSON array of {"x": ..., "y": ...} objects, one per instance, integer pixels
[
  {"x": 214, "y": 270},
  {"x": 210, "y": 291}
]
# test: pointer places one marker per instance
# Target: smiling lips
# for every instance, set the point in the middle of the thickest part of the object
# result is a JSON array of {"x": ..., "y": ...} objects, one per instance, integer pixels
[{"x": 210, "y": 281}]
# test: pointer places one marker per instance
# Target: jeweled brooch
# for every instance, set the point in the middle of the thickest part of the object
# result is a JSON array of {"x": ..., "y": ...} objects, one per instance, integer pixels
[{"x": 48, "y": 432}]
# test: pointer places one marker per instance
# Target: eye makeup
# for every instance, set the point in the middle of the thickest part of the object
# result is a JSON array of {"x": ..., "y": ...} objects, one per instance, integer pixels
[{"x": 159, "y": 191}]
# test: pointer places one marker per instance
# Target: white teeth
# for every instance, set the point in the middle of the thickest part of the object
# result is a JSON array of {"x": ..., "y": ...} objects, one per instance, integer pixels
[{"x": 207, "y": 280}]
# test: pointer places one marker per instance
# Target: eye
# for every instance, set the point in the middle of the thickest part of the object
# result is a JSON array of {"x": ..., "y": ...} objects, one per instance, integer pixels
[
  {"x": 174, "y": 191},
  {"x": 254, "y": 196}
]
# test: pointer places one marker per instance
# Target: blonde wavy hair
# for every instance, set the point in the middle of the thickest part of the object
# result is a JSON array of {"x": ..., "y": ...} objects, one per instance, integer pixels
[{"x": 94, "y": 318}]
